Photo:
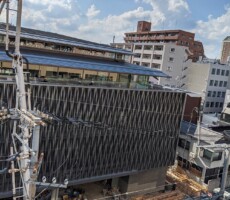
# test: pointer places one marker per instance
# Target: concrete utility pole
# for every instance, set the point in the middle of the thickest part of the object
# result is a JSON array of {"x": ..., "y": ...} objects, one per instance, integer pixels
[{"x": 29, "y": 161}]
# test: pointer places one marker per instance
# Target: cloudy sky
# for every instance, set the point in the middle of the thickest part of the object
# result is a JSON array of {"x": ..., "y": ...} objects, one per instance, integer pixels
[{"x": 100, "y": 20}]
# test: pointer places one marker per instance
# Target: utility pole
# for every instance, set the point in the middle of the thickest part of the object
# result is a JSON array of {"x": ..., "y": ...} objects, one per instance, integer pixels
[{"x": 28, "y": 159}]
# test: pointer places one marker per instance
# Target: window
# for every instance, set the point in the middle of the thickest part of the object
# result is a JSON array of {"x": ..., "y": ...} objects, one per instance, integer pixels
[
  {"x": 222, "y": 72},
  {"x": 148, "y": 47},
  {"x": 218, "y": 72},
  {"x": 216, "y": 156},
  {"x": 138, "y": 47},
  {"x": 211, "y": 82},
  {"x": 217, "y": 104},
  {"x": 227, "y": 73},
  {"x": 214, "y": 94},
  {"x": 157, "y": 57},
  {"x": 223, "y": 94},
  {"x": 211, "y": 104},
  {"x": 145, "y": 64},
  {"x": 184, "y": 144},
  {"x": 221, "y": 104},
  {"x": 207, "y": 104},
  {"x": 225, "y": 83},
  {"x": 158, "y": 47},
  {"x": 213, "y": 70},
  {"x": 207, "y": 154},
  {"x": 171, "y": 59},
  {"x": 209, "y": 93},
  {"x": 220, "y": 83},
  {"x": 172, "y": 50},
  {"x": 155, "y": 65},
  {"x": 137, "y": 55},
  {"x": 216, "y": 83},
  {"x": 146, "y": 56},
  {"x": 218, "y": 94}
]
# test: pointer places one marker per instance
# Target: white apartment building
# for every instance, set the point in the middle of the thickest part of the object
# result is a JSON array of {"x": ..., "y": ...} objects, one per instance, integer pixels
[
  {"x": 169, "y": 58},
  {"x": 209, "y": 79}
]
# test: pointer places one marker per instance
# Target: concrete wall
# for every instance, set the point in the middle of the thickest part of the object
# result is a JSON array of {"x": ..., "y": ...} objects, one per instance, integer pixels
[{"x": 143, "y": 182}]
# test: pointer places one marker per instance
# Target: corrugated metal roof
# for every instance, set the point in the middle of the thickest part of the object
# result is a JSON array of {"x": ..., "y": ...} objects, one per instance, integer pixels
[
  {"x": 59, "y": 60},
  {"x": 62, "y": 39}
]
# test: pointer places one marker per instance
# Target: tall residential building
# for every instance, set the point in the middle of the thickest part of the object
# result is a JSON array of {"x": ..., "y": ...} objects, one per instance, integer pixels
[
  {"x": 169, "y": 58},
  {"x": 178, "y": 37},
  {"x": 210, "y": 79},
  {"x": 225, "y": 53}
]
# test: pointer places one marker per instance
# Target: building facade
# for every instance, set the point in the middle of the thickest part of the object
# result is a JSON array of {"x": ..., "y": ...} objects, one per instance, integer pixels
[
  {"x": 225, "y": 52},
  {"x": 205, "y": 165},
  {"x": 178, "y": 37},
  {"x": 103, "y": 126},
  {"x": 210, "y": 79},
  {"x": 168, "y": 58}
]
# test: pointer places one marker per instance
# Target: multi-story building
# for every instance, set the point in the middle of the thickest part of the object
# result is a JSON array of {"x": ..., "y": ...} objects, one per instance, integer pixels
[
  {"x": 169, "y": 58},
  {"x": 103, "y": 126},
  {"x": 178, "y": 37},
  {"x": 204, "y": 164},
  {"x": 225, "y": 52},
  {"x": 210, "y": 79}
]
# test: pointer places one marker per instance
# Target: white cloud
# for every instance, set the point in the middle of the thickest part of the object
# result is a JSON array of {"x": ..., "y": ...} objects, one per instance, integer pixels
[
  {"x": 212, "y": 32},
  {"x": 92, "y": 11},
  {"x": 176, "y": 5}
]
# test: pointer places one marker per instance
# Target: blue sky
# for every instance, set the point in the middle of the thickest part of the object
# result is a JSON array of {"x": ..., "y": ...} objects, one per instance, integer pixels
[{"x": 99, "y": 20}]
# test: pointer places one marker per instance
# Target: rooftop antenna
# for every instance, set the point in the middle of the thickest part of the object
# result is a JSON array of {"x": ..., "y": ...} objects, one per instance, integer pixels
[{"x": 113, "y": 38}]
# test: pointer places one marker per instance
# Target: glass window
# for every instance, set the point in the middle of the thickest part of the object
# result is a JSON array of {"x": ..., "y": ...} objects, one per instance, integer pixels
[
  {"x": 218, "y": 94},
  {"x": 225, "y": 83},
  {"x": 207, "y": 154},
  {"x": 207, "y": 104},
  {"x": 171, "y": 59},
  {"x": 211, "y": 82},
  {"x": 138, "y": 47},
  {"x": 223, "y": 94},
  {"x": 211, "y": 104},
  {"x": 172, "y": 50},
  {"x": 216, "y": 83},
  {"x": 214, "y": 94},
  {"x": 213, "y": 70},
  {"x": 184, "y": 143},
  {"x": 216, "y": 156},
  {"x": 220, "y": 83},
  {"x": 227, "y": 73},
  {"x": 148, "y": 47},
  {"x": 222, "y": 72},
  {"x": 209, "y": 93},
  {"x": 221, "y": 104},
  {"x": 218, "y": 72},
  {"x": 217, "y": 104}
]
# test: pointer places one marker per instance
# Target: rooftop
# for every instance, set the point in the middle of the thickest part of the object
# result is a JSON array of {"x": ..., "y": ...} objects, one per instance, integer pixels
[
  {"x": 227, "y": 38},
  {"x": 38, "y": 35},
  {"x": 82, "y": 62}
]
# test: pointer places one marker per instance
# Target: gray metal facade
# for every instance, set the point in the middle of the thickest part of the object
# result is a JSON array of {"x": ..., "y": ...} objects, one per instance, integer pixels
[{"x": 114, "y": 131}]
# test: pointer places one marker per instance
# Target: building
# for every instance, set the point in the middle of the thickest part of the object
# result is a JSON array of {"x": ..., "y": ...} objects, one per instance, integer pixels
[
  {"x": 225, "y": 52},
  {"x": 168, "y": 58},
  {"x": 178, "y": 37},
  {"x": 204, "y": 165},
  {"x": 104, "y": 126},
  {"x": 210, "y": 79}
]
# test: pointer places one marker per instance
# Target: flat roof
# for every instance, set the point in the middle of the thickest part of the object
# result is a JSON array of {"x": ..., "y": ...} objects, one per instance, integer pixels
[
  {"x": 77, "y": 62},
  {"x": 50, "y": 37}
]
